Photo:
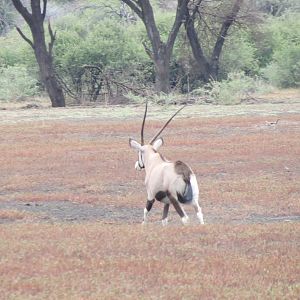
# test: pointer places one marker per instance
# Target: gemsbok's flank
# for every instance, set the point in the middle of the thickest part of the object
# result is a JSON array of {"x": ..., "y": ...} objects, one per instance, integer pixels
[{"x": 168, "y": 182}]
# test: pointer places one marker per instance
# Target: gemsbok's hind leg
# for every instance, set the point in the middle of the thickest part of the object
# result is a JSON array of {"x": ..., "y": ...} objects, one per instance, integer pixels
[
  {"x": 195, "y": 202},
  {"x": 148, "y": 207},
  {"x": 198, "y": 211},
  {"x": 165, "y": 214},
  {"x": 179, "y": 209}
]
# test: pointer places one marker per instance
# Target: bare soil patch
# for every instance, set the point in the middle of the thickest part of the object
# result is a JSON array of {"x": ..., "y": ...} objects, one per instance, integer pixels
[{"x": 66, "y": 211}]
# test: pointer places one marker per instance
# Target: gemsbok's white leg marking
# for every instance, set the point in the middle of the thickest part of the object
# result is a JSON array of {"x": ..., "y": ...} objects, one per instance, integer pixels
[
  {"x": 145, "y": 216},
  {"x": 195, "y": 202},
  {"x": 165, "y": 214}
]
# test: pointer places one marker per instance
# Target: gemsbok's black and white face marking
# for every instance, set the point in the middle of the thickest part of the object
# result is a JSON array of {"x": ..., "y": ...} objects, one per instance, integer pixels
[
  {"x": 140, "y": 163},
  {"x": 166, "y": 181}
]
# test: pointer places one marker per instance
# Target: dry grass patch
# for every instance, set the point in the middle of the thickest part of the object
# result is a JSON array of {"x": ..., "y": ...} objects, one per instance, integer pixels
[
  {"x": 95, "y": 260},
  {"x": 248, "y": 171},
  {"x": 239, "y": 161},
  {"x": 10, "y": 215}
]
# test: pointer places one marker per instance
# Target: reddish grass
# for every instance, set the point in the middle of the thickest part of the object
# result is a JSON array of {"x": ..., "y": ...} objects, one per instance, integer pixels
[
  {"x": 100, "y": 261},
  {"x": 244, "y": 167},
  {"x": 238, "y": 160}
]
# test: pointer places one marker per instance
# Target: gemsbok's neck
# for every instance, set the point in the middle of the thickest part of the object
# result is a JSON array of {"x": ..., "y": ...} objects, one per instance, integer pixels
[{"x": 153, "y": 159}]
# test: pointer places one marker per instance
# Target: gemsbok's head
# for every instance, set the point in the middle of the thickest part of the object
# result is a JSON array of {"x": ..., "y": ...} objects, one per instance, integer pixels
[{"x": 168, "y": 182}]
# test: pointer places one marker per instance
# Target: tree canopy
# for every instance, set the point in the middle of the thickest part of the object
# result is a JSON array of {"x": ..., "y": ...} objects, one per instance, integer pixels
[{"x": 106, "y": 50}]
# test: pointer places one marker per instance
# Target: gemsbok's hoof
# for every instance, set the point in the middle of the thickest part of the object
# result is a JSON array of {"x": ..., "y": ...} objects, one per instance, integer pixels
[
  {"x": 164, "y": 222},
  {"x": 185, "y": 220},
  {"x": 200, "y": 217}
]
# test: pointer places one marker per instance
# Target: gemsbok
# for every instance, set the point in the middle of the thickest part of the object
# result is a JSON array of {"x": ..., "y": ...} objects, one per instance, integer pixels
[{"x": 168, "y": 182}]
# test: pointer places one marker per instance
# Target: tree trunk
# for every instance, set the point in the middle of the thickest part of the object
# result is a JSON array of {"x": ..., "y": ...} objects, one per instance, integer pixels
[
  {"x": 209, "y": 68},
  {"x": 160, "y": 51},
  {"x": 48, "y": 76},
  {"x": 229, "y": 19},
  {"x": 35, "y": 20},
  {"x": 162, "y": 74},
  {"x": 203, "y": 64}
]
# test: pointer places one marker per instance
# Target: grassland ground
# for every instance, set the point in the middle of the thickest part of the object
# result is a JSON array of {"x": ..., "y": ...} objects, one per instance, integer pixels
[{"x": 71, "y": 205}]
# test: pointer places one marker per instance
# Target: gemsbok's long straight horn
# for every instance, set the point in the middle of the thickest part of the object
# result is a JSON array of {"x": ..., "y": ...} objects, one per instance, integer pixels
[
  {"x": 143, "y": 124},
  {"x": 167, "y": 123}
]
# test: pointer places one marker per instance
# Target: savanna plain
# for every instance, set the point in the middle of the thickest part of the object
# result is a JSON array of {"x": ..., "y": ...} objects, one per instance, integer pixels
[{"x": 71, "y": 204}]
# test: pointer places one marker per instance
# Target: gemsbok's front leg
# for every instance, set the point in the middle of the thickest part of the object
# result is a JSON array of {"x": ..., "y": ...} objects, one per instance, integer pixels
[
  {"x": 165, "y": 214},
  {"x": 148, "y": 207}
]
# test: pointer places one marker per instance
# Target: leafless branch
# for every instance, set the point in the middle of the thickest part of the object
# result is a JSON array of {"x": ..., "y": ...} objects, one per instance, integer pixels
[
  {"x": 126, "y": 87},
  {"x": 25, "y": 38},
  {"x": 52, "y": 38},
  {"x": 44, "y": 9},
  {"x": 148, "y": 51},
  {"x": 23, "y": 11},
  {"x": 65, "y": 86},
  {"x": 179, "y": 19},
  {"x": 134, "y": 6}
]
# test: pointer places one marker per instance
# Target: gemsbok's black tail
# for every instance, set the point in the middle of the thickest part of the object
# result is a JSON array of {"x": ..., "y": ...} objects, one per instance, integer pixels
[{"x": 187, "y": 194}]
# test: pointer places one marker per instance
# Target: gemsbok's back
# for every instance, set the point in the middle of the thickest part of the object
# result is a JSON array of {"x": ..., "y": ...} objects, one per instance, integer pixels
[{"x": 168, "y": 182}]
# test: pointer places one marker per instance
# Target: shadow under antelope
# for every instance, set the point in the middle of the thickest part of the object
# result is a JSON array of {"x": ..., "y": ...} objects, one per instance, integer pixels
[{"x": 167, "y": 182}]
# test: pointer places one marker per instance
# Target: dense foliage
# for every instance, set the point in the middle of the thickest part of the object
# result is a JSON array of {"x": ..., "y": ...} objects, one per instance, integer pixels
[
  {"x": 284, "y": 37},
  {"x": 7, "y": 16},
  {"x": 99, "y": 51}
]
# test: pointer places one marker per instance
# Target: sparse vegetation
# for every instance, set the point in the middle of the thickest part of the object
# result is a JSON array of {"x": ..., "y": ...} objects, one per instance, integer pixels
[
  {"x": 16, "y": 83},
  {"x": 284, "y": 68},
  {"x": 236, "y": 88},
  {"x": 248, "y": 175},
  {"x": 71, "y": 202}
]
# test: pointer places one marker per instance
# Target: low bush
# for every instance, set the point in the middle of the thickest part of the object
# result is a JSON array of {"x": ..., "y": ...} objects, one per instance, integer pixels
[
  {"x": 232, "y": 90},
  {"x": 284, "y": 69},
  {"x": 239, "y": 55},
  {"x": 16, "y": 83}
]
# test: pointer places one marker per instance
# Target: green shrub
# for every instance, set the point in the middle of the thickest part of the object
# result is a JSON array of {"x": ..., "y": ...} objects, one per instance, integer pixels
[
  {"x": 15, "y": 51},
  {"x": 284, "y": 69},
  {"x": 7, "y": 16},
  {"x": 232, "y": 90},
  {"x": 239, "y": 54},
  {"x": 113, "y": 48},
  {"x": 16, "y": 82}
]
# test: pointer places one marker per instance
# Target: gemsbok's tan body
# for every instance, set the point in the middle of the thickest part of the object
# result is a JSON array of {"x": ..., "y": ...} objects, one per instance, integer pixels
[{"x": 168, "y": 182}]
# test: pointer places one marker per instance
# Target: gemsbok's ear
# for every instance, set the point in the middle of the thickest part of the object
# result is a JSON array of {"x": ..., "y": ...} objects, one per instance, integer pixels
[
  {"x": 158, "y": 143},
  {"x": 134, "y": 144}
]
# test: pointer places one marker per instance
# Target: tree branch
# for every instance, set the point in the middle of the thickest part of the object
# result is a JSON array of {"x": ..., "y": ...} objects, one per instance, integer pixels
[
  {"x": 148, "y": 51},
  {"x": 52, "y": 38},
  {"x": 196, "y": 45},
  {"x": 23, "y": 11},
  {"x": 179, "y": 19},
  {"x": 65, "y": 86},
  {"x": 25, "y": 38},
  {"x": 224, "y": 29},
  {"x": 134, "y": 6},
  {"x": 44, "y": 9}
]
